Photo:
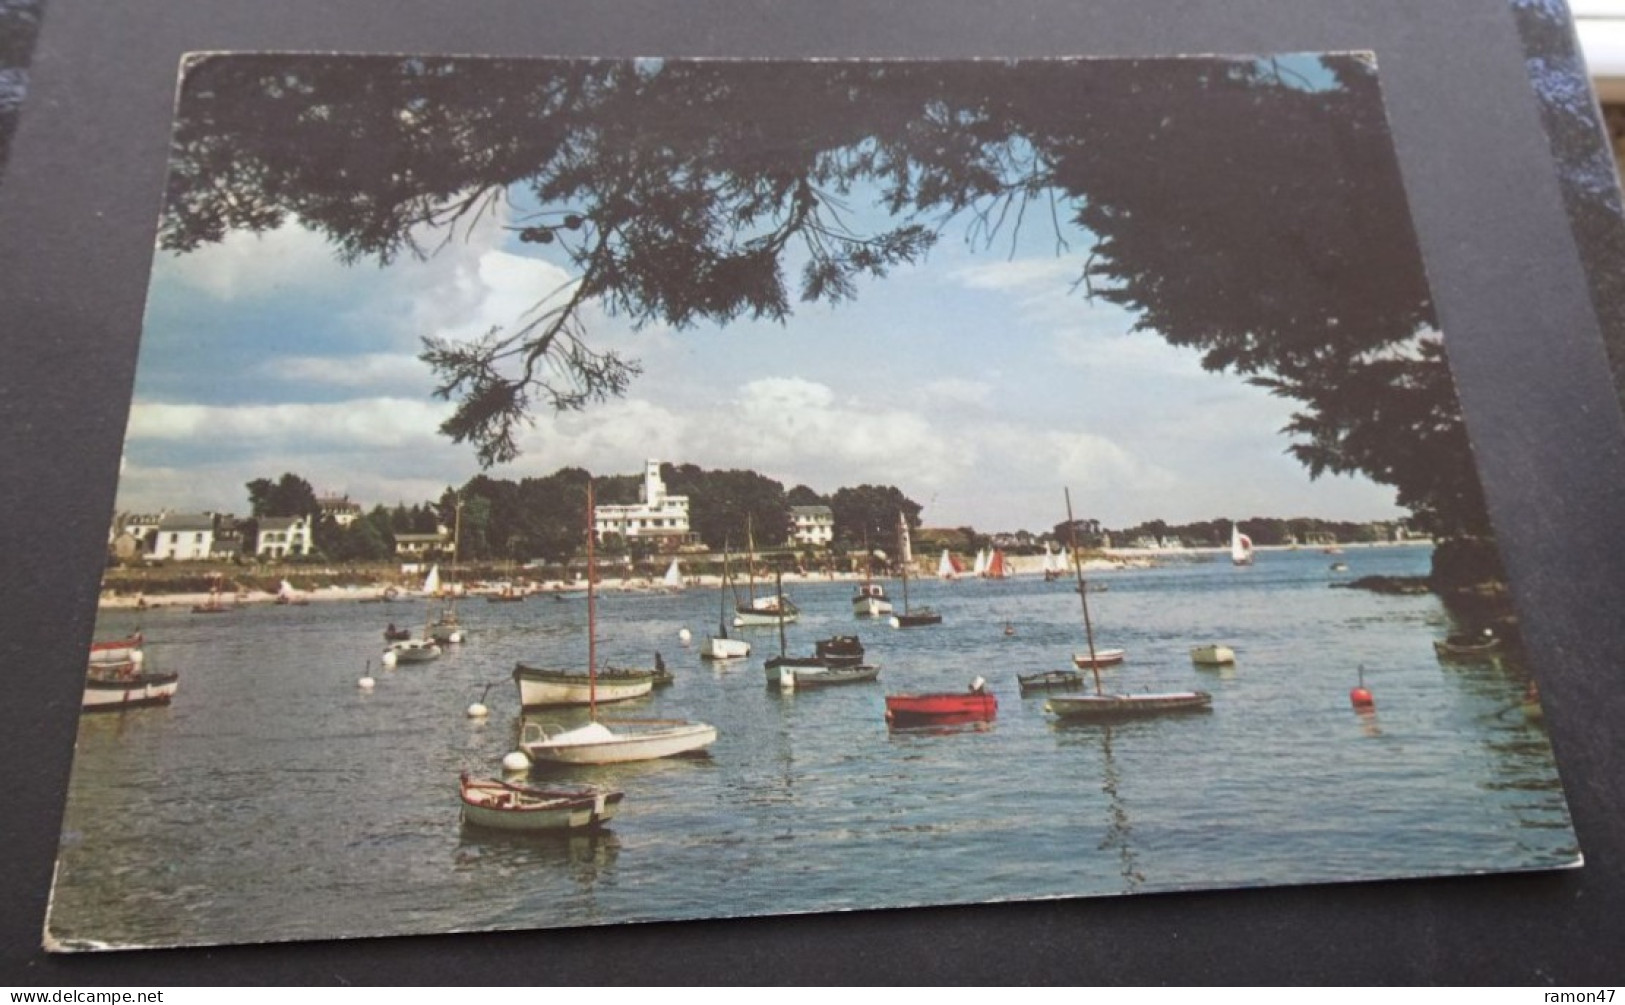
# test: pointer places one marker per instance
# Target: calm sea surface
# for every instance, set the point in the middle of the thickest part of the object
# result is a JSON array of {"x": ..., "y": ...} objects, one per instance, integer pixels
[{"x": 275, "y": 800}]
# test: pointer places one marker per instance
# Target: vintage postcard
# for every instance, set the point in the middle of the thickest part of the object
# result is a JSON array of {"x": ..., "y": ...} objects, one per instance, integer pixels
[{"x": 572, "y": 492}]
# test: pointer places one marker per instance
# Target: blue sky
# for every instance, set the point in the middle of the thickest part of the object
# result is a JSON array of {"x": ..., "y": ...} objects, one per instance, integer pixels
[{"x": 978, "y": 382}]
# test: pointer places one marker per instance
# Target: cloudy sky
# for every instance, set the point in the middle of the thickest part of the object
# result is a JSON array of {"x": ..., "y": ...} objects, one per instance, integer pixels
[{"x": 978, "y": 382}]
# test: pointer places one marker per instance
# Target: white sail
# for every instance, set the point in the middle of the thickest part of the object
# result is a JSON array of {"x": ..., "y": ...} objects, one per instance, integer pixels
[
  {"x": 1241, "y": 546},
  {"x": 980, "y": 568},
  {"x": 945, "y": 567},
  {"x": 674, "y": 576},
  {"x": 431, "y": 582},
  {"x": 286, "y": 589},
  {"x": 904, "y": 548}
]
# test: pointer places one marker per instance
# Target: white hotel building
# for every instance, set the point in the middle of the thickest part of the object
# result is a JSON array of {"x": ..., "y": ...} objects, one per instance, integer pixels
[{"x": 656, "y": 516}]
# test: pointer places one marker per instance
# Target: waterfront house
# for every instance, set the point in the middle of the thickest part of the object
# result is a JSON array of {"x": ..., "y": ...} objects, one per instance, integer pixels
[
  {"x": 184, "y": 537},
  {"x": 812, "y": 525},
  {"x": 656, "y": 517},
  {"x": 283, "y": 537}
]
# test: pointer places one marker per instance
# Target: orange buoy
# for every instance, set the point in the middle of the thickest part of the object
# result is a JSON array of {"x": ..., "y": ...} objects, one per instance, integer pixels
[{"x": 1359, "y": 697}]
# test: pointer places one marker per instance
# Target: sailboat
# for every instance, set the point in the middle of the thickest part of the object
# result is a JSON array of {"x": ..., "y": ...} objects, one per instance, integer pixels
[
  {"x": 1053, "y": 566},
  {"x": 596, "y": 742},
  {"x": 445, "y": 628},
  {"x": 545, "y": 688},
  {"x": 837, "y": 660},
  {"x": 997, "y": 568},
  {"x": 910, "y": 618},
  {"x": 948, "y": 567},
  {"x": 980, "y": 568},
  {"x": 1101, "y": 705},
  {"x": 213, "y": 605},
  {"x": 286, "y": 596},
  {"x": 1241, "y": 546},
  {"x": 673, "y": 579},
  {"x": 759, "y": 611},
  {"x": 870, "y": 600},
  {"x": 720, "y": 646}
]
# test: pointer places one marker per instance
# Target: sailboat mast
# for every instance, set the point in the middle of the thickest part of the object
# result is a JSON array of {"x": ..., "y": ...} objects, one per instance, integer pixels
[
  {"x": 903, "y": 555},
  {"x": 722, "y": 595},
  {"x": 778, "y": 587},
  {"x": 750, "y": 569},
  {"x": 1083, "y": 591},
  {"x": 592, "y": 613}
]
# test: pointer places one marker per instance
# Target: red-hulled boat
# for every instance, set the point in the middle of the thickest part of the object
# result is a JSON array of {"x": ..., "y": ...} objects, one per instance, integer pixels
[{"x": 942, "y": 708}]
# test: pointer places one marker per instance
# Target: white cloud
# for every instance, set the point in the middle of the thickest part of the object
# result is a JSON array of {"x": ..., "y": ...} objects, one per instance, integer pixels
[
  {"x": 244, "y": 265},
  {"x": 367, "y": 370},
  {"x": 370, "y": 422}
]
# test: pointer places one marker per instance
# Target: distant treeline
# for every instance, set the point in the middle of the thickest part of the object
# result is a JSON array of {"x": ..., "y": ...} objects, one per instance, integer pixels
[{"x": 545, "y": 518}]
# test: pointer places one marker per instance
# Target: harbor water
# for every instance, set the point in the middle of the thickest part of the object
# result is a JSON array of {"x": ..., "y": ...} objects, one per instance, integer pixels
[{"x": 274, "y": 799}]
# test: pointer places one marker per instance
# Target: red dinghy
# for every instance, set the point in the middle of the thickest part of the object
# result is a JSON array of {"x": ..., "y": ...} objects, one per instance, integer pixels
[{"x": 942, "y": 708}]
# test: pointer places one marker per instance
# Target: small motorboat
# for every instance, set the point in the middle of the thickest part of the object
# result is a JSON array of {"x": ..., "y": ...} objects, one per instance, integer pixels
[
  {"x": 118, "y": 678},
  {"x": 1050, "y": 680},
  {"x": 504, "y": 806},
  {"x": 792, "y": 677},
  {"x": 1213, "y": 655},
  {"x": 975, "y": 704},
  {"x": 1486, "y": 643},
  {"x": 1098, "y": 658},
  {"x": 393, "y": 634},
  {"x": 412, "y": 651},
  {"x": 837, "y": 651}
]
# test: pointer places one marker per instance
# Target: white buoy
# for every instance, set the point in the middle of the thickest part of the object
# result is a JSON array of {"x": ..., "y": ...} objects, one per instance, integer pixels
[
  {"x": 388, "y": 659},
  {"x": 365, "y": 683},
  {"x": 895, "y": 623},
  {"x": 685, "y": 636},
  {"x": 515, "y": 760},
  {"x": 478, "y": 710},
  {"x": 455, "y": 637}
]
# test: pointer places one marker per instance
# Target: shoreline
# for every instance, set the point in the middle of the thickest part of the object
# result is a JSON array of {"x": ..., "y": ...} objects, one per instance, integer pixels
[{"x": 1022, "y": 566}]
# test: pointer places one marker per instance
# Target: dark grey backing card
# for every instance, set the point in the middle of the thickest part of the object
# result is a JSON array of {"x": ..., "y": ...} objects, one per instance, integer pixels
[{"x": 77, "y": 213}]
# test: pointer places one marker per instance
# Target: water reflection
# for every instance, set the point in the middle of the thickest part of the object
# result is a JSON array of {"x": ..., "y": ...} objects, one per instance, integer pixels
[{"x": 586, "y": 857}]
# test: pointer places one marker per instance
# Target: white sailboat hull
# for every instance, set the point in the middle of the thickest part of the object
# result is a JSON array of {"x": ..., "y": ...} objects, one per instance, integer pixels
[
  {"x": 143, "y": 689},
  {"x": 560, "y": 688},
  {"x": 630, "y": 740},
  {"x": 719, "y": 648},
  {"x": 1213, "y": 655},
  {"x": 1102, "y": 658}
]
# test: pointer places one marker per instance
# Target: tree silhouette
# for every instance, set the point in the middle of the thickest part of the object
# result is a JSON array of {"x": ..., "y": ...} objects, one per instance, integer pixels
[{"x": 1250, "y": 209}]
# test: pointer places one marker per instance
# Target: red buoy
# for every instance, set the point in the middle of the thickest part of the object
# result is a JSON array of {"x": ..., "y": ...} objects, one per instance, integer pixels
[{"x": 1359, "y": 697}]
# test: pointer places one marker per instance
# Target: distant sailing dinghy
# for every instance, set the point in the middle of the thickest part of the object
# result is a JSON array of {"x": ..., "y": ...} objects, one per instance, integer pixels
[{"x": 1241, "y": 546}]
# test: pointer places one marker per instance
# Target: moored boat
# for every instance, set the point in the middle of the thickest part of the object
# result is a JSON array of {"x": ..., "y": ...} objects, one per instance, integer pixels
[
  {"x": 410, "y": 651},
  {"x": 794, "y": 677},
  {"x": 1122, "y": 706},
  {"x": 977, "y": 704},
  {"x": 117, "y": 677},
  {"x": 1213, "y": 654},
  {"x": 597, "y": 743},
  {"x": 1486, "y": 643},
  {"x": 911, "y": 617},
  {"x": 504, "y": 806},
  {"x": 1050, "y": 680},
  {"x": 870, "y": 601},
  {"x": 393, "y": 634},
  {"x": 720, "y": 646},
  {"x": 630, "y": 740},
  {"x": 765, "y": 612},
  {"x": 1101, "y": 705},
  {"x": 541, "y": 687},
  {"x": 1098, "y": 657}
]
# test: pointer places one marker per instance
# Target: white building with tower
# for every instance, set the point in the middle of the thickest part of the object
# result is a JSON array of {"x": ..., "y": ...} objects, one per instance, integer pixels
[{"x": 655, "y": 516}]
